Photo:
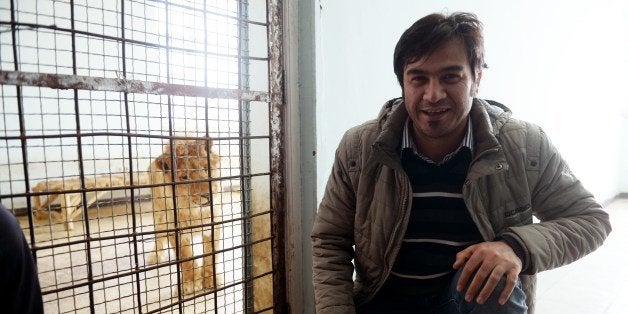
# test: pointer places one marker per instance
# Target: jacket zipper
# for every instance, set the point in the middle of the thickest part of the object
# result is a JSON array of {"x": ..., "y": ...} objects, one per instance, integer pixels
[
  {"x": 474, "y": 217},
  {"x": 387, "y": 266},
  {"x": 488, "y": 151}
]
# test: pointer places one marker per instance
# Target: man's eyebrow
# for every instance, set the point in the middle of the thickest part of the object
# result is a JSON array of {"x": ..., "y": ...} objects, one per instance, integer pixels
[{"x": 452, "y": 68}]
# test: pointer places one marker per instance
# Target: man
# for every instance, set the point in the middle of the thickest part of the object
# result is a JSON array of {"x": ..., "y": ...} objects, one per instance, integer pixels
[
  {"x": 19, "y": 284},
  {"x": 433, "y": 201}
]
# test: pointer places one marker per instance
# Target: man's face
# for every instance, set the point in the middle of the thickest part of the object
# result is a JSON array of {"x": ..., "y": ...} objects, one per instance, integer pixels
[{"x": 438, "y": 91}]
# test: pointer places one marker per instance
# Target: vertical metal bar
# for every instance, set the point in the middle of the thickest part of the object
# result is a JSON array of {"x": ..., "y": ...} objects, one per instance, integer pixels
[
  {"x": 173, "y": 186},
  {"x": 131, "y": 170},
  {"x": 81, "y": 166},
  {"x": 23, "y": 142},
  {"x": 245, "y": 153},
  {"x": 277, "y": 152},
  {"x": 207, "y": 143}
]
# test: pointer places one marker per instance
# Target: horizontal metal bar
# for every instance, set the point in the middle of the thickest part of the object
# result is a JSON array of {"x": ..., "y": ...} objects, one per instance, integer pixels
[
  {"x": 165, "y": 231},
  {"x": 127, "y": 134},
  {"x": 65, "y": 81},
  {"x": 120, "y": 188},
  {"x": 29, "y": 26},
  {"x": 166, "y": 264},
  {"x": 190, "y": 8},
  {"x": 245, "y": 281}
]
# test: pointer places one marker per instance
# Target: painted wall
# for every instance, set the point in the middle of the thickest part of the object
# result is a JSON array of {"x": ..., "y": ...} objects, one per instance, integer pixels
[
  {"x": 559, "y": 64},
  {"x": 623, "y": 178}
]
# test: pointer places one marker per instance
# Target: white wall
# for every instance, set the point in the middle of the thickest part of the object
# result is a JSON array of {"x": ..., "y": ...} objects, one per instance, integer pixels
[
  {"x": 623, "y": 177},
  {"x": 559, "y": 64}
]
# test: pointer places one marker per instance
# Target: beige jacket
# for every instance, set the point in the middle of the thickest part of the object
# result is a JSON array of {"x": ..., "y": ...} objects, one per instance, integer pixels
[{"x": 516, "y": 173}]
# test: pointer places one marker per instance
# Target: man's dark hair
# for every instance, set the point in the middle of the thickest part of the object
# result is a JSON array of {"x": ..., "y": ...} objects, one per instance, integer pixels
[{"x": 434, "y": 30}]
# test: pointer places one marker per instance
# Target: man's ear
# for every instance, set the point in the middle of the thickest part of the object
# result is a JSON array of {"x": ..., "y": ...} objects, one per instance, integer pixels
[{"x": 476, "y": 84}]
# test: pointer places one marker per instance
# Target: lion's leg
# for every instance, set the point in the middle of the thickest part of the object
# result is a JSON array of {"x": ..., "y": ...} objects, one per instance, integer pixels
[
  {"x": 211, "y": 243},
  {"x": 160, "y": 253},
  {"x": 192, "y": 280},
  {"x": 68, "y": 207}
]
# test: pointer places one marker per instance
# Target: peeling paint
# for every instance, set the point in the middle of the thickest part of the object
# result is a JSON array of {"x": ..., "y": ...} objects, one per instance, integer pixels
[
  {"x": 64, "y": 81},
  {"x": 277, "y": 151}
]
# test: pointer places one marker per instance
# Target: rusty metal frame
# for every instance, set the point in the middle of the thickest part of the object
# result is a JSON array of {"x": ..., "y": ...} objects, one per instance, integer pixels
[
  {"x": 277, "y": 149},
  {"x": 65, "y": 81}
]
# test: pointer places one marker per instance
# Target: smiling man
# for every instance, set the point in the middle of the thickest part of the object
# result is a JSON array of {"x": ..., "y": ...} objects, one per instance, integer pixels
[{"x": 431, "y": 204}]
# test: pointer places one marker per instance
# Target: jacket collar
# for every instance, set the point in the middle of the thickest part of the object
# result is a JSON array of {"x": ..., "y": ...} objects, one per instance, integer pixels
[
  {"x": 490, "y": 157},
  {"x": 390, "y": 123},
  {"x": 487, "y": 121}
]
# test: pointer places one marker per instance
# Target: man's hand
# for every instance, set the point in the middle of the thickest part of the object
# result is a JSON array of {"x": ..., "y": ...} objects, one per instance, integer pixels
[{"x": 485, "y": 264}]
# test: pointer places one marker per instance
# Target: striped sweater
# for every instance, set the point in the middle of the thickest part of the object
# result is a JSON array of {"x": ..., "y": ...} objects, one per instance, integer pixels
[{"x": 439, "y": 227}]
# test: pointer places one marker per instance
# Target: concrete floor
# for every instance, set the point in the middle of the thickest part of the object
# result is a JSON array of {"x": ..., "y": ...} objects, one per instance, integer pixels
[
  {"x": 595, "y": 284},
  {"x": 117, "y": 271}
]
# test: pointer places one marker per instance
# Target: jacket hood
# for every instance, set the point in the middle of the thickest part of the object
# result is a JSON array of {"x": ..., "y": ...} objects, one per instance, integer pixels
[{"x": 488, "y": 117}]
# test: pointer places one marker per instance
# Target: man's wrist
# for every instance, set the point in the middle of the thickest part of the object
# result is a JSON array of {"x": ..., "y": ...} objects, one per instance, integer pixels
[{"x": 516, "y": 247}]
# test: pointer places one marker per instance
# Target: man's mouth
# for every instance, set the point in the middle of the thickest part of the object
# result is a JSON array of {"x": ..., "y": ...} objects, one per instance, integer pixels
[{"x": 435, "y": 112}]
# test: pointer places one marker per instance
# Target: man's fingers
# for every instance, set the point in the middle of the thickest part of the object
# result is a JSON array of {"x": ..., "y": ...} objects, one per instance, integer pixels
[
  {"x": 489, "y": 286},
  {"x": 479, "y": 280},
  {"x": 462, "y": 257},
  {"x": 467, "y": 273},
  {"x": 511, "y": 280}
]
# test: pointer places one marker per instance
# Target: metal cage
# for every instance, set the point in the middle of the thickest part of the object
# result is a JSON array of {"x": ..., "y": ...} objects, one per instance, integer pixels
[{"x": 141, "y": 148}]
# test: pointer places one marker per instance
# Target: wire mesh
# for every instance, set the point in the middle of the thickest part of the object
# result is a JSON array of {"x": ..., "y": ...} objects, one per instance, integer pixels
[{"x": 132, "y": 201}]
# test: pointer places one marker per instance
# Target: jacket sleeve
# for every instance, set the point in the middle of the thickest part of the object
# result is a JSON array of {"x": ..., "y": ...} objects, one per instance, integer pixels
[
  {"x": 20, "y": 291},
  {"x": 572, "y": 223},
  {"x": 332, "y": 239}
]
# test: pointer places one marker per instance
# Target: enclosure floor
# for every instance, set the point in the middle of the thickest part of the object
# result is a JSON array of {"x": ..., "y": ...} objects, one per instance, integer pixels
[
  {"x": 118, "y": 267},
  {"x": 595, "y": 284}
]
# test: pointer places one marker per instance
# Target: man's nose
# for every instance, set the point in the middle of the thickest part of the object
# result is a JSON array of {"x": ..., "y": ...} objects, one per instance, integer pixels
[{"x": 434, "y": 91}]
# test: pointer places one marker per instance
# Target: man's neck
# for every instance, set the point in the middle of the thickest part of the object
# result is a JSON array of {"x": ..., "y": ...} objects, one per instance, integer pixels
[
  {"x": 437, "y": 148},
  {"x": 437, "y": 151}
]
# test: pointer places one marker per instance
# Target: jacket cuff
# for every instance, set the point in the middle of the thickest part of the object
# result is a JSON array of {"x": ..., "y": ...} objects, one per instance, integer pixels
[{"x": 517, "y": 248}]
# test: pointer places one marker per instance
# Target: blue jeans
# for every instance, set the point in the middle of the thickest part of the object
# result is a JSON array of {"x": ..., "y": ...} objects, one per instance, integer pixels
[
  {"x": 455, "y": 302},
  {"x": 450, "y": 301}
]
